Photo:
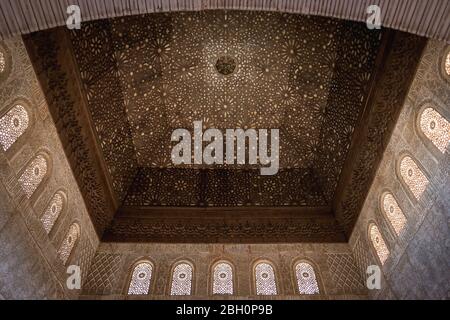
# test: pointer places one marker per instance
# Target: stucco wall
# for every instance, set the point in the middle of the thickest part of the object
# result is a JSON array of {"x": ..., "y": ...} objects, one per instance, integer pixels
[
  {"x": 419, "y": 260},
  {"x": 334, "y": 266},
  {"x": 29, "y": 265}
]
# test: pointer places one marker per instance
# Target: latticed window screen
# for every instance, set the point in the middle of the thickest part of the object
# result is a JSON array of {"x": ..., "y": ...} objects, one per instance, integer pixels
[
  {"x": 393, "y": 212},
  {"x": 141, "y": 278},
  {"x": 413, "y": 177},
  {"x": 181, "y": 280},
  {"x": 306, "y": 278},
  {"x": 2, "y": 61},
  {"x": 52, "y": 212},
  {"x": 12, "y": 125},
  {"x": 223, "y": 279},
  {"x": 33, "y": 175},
  {"x": 447, "y": 64},
  {"x": 378, "y": 243},
  {"x": 265, "y": 279},
  {"x": 436, "y": 128},
  {"x": 69, "y": 242}
]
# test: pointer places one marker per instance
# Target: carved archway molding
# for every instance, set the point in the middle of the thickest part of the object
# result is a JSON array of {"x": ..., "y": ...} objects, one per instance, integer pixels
[{"x": 422, "y": 17}]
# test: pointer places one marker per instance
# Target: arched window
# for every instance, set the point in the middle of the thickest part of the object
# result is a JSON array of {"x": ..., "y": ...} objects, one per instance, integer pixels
[
  {"x": 413, "y": 177},
  {"x": 33, "y": 175},
  {"x": 223, "y": 278},
  {"x": 435, "y": 127},
  {"x": 265, "y": 279},
  {"x": 141, "y": 278},
  {"x": 52, "y": 211},
  {"x": 69, "y": 242},
  {"x": 181, "y": 280},
  {"x": 378, "y": 243},
  {"x": 5, "y": 62},
  {"x": 393, "y": 213},
  {"x": 2, "y": 61},
  {"x": 12, "y": 125},
  {"x": 306, "y": 278},
  {"x": 447, "y": 64}
]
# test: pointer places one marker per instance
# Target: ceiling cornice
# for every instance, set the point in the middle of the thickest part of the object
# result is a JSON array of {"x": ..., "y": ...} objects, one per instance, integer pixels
[{"x": 428, "y": 18}]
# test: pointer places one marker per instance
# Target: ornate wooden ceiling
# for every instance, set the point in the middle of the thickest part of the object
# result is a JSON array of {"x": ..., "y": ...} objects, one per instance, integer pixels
[
  {"x": 145, "y": 76},
  {"x": 117, "y": 88}
]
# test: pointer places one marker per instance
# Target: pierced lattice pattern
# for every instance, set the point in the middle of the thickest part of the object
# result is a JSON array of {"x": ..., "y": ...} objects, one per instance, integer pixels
[
  {"x": 436, "y": 128},
  {"x": 413, "y": 177},
  {"x": 140, "y": 279},
  {"x": 2, "y": 62},
  {"x": 12, "y": 125},
  {"x": 69, "y": 242},
  {"x": 378, "y": 243},
  {"x": 306, "y": 278},
  {"x": 265, "y": 279},
  {"x": 52, "y": 212},
  {"x": 223, "y": 279},
  {"x": 181, "y": 280},
  {"x": 33, "y": 175},
  {"x": 393, "y": 212}
]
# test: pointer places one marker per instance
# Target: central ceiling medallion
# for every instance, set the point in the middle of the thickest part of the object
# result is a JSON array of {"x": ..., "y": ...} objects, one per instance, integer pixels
[{"x": 226, "y": 65}]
